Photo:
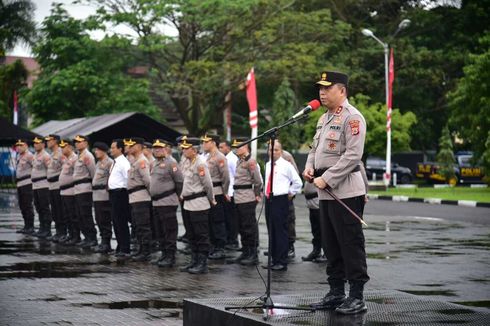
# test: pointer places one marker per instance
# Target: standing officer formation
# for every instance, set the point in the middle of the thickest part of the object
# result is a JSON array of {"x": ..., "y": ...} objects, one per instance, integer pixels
[{"x": 215, "y": 198}]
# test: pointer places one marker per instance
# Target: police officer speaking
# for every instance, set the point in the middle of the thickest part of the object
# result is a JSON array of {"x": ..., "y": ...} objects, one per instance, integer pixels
[{"x": 334, "y": 162}]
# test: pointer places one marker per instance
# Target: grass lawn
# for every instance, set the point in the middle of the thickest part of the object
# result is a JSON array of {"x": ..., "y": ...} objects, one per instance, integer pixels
[{"x": 455, "y": 193}]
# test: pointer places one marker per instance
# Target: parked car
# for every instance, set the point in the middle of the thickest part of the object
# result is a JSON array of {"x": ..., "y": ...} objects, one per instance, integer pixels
[
  {"x": 377, "y": 166},
  {"x": 464, "y": 170}
]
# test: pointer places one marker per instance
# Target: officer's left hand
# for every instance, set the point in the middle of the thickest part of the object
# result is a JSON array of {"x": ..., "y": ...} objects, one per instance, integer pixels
[
  {"x": 227, "y": 198},
  {"x": 320, "y": 183},
  {"x": 214, "y": 203}
]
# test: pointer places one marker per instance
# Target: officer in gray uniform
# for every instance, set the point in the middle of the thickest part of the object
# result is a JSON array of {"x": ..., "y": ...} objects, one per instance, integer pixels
[
  {"x": 23, "y": 170},
  {"x": 53, "y": 174},
  {"x": 83, "y": 174},
  {"x": 67, "y": 193},
  {"x": 40, "y": 188},
  {"x": 220, "y": 175},
  {"x": 102, "y": 205},
  {"x": 247, "y": 192},
  {"x": 198, "y": 197},
  {"x": 334, "y": 161},
  {"x": 313, "y": 204},
  {"x": 139, "y": 198},
  {"x": 165, "y": 188}
]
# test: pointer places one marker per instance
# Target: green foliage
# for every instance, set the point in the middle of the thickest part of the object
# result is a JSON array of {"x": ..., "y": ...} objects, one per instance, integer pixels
[
  {"x": 81, "y": 76},
  {"x": 16, "y": 23},
  {"x": 445, "y": 156},
  {"x": 12, "y": 78}
]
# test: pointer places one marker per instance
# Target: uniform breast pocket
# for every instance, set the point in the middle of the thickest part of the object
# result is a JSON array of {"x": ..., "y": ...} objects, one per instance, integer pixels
[{"x": 332, "y": 142}]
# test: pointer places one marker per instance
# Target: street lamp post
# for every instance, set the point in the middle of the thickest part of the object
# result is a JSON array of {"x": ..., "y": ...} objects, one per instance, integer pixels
[{"x": 403, "y": 24}]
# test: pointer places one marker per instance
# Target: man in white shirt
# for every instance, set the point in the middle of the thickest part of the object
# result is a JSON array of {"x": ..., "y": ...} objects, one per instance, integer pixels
[
  {"x": 230, "y": 217},
  {"x": 118, "y": 196},
  {"x": 285, "y": 185}
]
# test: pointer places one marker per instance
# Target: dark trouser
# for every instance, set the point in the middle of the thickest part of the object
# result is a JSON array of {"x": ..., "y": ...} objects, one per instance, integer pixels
[
  {"x": 25, "y": 197},
  {"x": 84, "y": 215},
  {"x": 343, "y": 241},
  {"x": 103, "y": 219},
  {"x": 276, "y": 214},
  {"x": 153, "y": 226},
  {"x": 316, "y": 230},
  {"x": 247, "y": 224},
  {"x": 41, "y": 202},
  {"x": 198, "y": 230},
  {"x": 217, "y": 226},
  {"x": 291, "y": 223},
  {"x": 57, "y": 210},
  {"x": 68, "y": 217},
  {"x": 120, "y": 213},
  {"x": 166, "y": 227},
  {"x": 231, "y": 222},
  {"x": 140, "y": 214}
]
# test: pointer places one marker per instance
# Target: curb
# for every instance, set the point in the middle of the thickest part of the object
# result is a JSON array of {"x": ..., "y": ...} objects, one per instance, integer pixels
[{"x": 436, "y": 201}]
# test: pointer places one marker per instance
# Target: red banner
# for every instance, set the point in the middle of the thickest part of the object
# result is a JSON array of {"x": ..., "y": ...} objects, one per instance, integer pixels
[{"x": 252, "y": 99}]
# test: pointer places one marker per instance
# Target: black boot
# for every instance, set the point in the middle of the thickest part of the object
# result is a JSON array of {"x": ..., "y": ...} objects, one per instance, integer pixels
[
  {"x": 168, "y": 261},
  {"x": 191, "y": 264},
  {"x": 89, "y": 243},
  {"x": 145, "y": 254},
  {"x": 73, "y": 241},
  {"x": 312, "y": 255},
  {"x": 159, "y": 258},
  {"x": 252, "y": 259},
  {"x": 218, "y": 253},
  {"x": 291, "y": 252},
  {"x": 245, "y": 253},
  {"x": 104, "y": 247},
  {"x": 202, "y": 265},
  {"x": 334, "y": 298},
  {"x": 355, "y": 302},
  {"x": 29, "y": 230}
]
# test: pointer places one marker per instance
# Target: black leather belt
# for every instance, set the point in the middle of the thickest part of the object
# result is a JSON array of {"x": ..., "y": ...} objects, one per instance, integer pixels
[
  {"x": 311, "y": 196},
  {"x": 78, "y": 182},
  {"x": 99, "y": 187},
  {"x": 217, "y": 184},
  {"x": 67, "y": 186},
  {"x": 194, "y": 196},
  {"x": 242, "y": 187},
  {"x": 137, "y": 188},
  {"x": 54, "y": 179},
  {"x": 320, "y": 172},
  {"x": 23, "y": 178},
  {"x": 38, "y": 179},
  {"x": 163, "y": 194}
]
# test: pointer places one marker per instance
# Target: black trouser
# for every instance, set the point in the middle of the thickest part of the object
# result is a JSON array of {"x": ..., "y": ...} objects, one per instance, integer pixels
[
  {"x": 165, "y": 218},
  {"x": 25, "y": 197},
  {"x": 291, "y": 222},
  {"x": 343, "y": 241},
  {"x": 68, "y": 218},
  {"x": 316, "y": 230},
  {"x": 217, "y": 226},
  {"x": 103, "y": 218},
  {"x": 276, "y": 214},
  {"x": 57, "y": 210},
  {"x": 140, "y": 214},
  {"x": 120, "y": 213},
  {"x": 198, "y": 230},
  {"x": 41, "y": 202},
  {"x": 153, "y": 226},
  {"x": 231, "y": 222},
  {"x": 247, "y": 224},
  {"x": 84, "y": 215}
]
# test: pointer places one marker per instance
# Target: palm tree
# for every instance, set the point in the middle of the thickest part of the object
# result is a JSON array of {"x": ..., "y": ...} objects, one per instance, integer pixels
[{"x": 16, "y": 23}]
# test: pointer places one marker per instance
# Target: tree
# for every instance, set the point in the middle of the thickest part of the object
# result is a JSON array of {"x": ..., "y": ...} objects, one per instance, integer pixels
[
  {"x": 283, "y": 107},
  {"x": 80, "y": 76},
  {"x": 445, "y": 157},
  {"x": 16, "y": 23},
  {"x": 12, "y": 78}
]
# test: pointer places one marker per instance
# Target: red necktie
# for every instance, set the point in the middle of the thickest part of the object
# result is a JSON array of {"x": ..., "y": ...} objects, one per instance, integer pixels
[{"x": 269, "y": 184}]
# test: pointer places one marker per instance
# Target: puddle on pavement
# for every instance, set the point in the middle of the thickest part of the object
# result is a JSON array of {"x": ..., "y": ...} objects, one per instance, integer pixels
[
  {"x": 448, "y": 293},
  {"x": 479, "y": 304},
  {"x": 136, "y": 304},
  {"x": 376, "y": 255},
  {"x": 54, "y": 269}
]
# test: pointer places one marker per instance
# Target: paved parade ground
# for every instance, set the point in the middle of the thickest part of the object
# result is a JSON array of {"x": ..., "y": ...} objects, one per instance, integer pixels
[{"x": 436, "y": 252}]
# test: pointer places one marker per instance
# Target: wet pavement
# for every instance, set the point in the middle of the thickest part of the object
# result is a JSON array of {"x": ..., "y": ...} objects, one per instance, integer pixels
[{"x": 414, "y": 250}]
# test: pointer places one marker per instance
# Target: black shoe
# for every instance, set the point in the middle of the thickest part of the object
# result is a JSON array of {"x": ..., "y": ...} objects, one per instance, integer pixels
[
  {"x": 145, "y": 254},
  {"x": 351, "y": 306},
  {"x": 320, "y": 259},
  {"x": 89, "y": 243},
  {"x": 44, "y": 234},
  {"x": 121, "y": 256},
  {"x": 29, "y": 231},
  {"x": 183, "y": 238},
  {"x": 73, "y": 241},
  {"x": 217, "y": 254},
  {"x": 168, "y": 261},
  {"x": 291, "y": 253},
  {"x": 56, "y": 238},
  {"x": 192, "y": 263},
  {"x": 312, "y": 255},
  {"x": 279, "y": 268},
  {"x": 232, "y": 247},
  {"x": 158, "y": 259},
  {"x": 266, "y": 253},
  {"x": 202, "y": 265},
  {"x": 103, "y": 248},
  {"x": 252, "y": 259},
  {"x": 23, "y": 230},
  {"x": 329, "y": 302},
  {"x": 64, "y": 239},
  {"x": 245, "y": 253}
]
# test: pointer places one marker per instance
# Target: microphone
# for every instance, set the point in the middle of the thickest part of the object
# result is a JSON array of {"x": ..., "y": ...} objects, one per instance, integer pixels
[{"x": 312, "y": 106}]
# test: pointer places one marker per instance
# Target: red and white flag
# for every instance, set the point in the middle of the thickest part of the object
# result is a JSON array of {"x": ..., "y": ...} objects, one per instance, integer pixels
[
  {"x": 16, "y": 109},
  {"x": 252, "y": 99},
  {"x": 391, "y": 78}
]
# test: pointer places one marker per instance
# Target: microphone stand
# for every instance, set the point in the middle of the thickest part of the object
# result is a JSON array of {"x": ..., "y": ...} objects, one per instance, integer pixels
[{"x": 268, "y": 305}]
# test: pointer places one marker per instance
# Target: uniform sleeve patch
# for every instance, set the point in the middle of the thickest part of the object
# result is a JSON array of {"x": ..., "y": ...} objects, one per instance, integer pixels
[
  {"x": 142, "y": 165},
  {"x": 221, "y": 163},
  {"x": 354, "y": 127},
  {"x": 86, "y": 160},
  {"x": 201, "y": 170},
  {"x": 174, "y": 167}
]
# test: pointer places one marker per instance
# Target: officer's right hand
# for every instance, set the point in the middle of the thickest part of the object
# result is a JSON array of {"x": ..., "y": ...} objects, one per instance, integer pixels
[{"x": 309, "y": 174}]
